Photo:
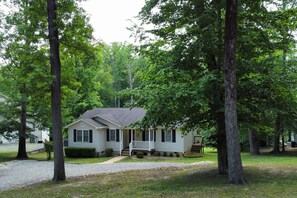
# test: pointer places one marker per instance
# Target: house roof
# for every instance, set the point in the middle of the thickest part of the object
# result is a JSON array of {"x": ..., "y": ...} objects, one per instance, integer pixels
[{"x": 121, "y": 117}]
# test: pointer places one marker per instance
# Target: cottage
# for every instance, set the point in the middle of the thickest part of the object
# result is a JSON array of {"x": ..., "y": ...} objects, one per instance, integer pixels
[{"x": 103, "y": 128}]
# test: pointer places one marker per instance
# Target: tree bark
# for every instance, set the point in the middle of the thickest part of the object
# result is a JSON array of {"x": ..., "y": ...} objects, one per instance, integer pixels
[
  {"x": 235, "y": 170},
  {"x": 277, "y": 128},
  {"x": 22, "y": 153},
  {"x": 218, "y": 99},
  {"x": 254, "y": 142},
  {"x": 59, "y": 167},
  {"x": 283, "y": 141},
  {"x": 221, "y": 144}
]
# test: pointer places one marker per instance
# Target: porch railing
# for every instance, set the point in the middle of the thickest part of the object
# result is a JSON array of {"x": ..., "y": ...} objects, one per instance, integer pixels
[{"x": 141, "y": 145}]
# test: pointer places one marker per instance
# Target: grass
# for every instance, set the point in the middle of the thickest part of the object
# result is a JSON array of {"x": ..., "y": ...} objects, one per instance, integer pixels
[
  {"x": 267, "y": 175},
  {"x": 209, "y": 155},
  {"x": 42, "y": 156},
  {"x": 192, "y": 181}
]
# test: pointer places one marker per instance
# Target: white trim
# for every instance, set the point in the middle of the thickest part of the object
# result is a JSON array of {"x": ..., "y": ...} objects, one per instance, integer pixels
[
  {"x": 109, "y": 121},
  {"x": 82, "y": 120}
]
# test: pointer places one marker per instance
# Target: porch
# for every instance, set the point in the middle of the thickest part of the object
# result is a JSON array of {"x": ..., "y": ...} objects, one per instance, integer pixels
[{"x": 136, "y": 140}]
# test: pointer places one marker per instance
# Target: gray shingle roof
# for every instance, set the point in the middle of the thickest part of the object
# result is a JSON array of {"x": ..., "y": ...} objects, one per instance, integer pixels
[{"x": 119, "y": 116}]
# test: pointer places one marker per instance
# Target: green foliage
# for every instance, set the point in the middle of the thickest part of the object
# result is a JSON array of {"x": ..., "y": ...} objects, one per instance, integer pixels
[
  {"x": 80, "y": 152},
  {"x": 108, "y": 152},
  {"x": 48, "y": 149},
  {"x": 139, "y": 155},
  {"x": 177, "y": 154},
  {"x": 170, "y": 154},
  {"x": 165, "y": 154}
]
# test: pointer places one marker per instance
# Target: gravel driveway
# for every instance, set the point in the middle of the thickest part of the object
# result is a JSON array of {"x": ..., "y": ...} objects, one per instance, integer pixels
[{"x": 20, "y": 173}]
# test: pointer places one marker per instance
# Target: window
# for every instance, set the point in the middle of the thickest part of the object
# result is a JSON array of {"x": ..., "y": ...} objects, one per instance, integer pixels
[
  {"x": 83, "y": 136},
  {"x": 168, "y": 136},
  {"x": 86, "y": 135},
  {"x": 79, "y": 135},
  {"x": 112, "y": 135}
]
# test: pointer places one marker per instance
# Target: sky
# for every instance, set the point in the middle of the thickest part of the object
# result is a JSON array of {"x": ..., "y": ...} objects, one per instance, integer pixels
[{"x": 110, "y": 18}]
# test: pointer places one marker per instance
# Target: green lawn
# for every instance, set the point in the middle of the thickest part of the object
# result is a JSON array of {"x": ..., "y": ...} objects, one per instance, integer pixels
[
  {"x": 9, "y": 156},
  {"x": 267, "y": 175},
  {"x": 193, "y": 181},
  {"x": 209, "y": 155}
]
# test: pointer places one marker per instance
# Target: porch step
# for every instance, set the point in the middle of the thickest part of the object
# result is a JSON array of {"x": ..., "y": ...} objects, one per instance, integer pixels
[
  {"x": 125, "y": 152},
  {"x": 197, "y": 148}
]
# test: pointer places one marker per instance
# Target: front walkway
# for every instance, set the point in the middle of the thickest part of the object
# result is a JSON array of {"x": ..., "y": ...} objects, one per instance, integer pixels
[{"x": 113, "y": 160}]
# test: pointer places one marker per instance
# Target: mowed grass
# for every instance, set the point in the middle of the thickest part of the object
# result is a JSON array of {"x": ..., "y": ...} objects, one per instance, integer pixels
[
  {"x": 192, "y": 181},
  {"x": 42, "y": 156},
  {"x": 267, "y": 175}
]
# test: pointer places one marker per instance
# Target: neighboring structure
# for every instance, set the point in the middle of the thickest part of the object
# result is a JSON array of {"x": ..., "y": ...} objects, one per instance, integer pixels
[
  {"x": 36, "y": 135},
  {"x": 104, "y": 128}
]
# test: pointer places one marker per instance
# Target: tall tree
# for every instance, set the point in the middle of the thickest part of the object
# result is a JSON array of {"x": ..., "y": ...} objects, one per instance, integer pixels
[
  {"x": 59, "y": 166},
  {"x": 235, "y": 170}
]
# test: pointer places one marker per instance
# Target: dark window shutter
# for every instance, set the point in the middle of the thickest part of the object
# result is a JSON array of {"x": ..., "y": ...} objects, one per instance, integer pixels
[
  {"x": 163, "y": 135},
  {"x": 74, "y": 135},
  {"x": 130, "y": 135},
  {"x": 133, "y": 135},
  {"x": 91, "y": 136},
  {"x": 118, "y": 135},
  {"x": 143, "y": 135},
  {"x": 155, "y": 135},
  {"x": 107, "y": 135},
  {"x": 173, "y": 135}
]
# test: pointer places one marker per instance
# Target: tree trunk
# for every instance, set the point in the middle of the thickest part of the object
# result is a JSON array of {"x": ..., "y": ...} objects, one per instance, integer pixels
[
  {"x": 218, "y": 99},
  {"x": 289, "y": 136},
  {"x": 254, "y": 142},
  {"x": 235, "y": 170},
  {"x": 22, "y": 153},
  {"x": 283, "y": 141},
  {"x": 221, "y": 144},
  {"x": 277, "y": 127},
  {"x": 59, "y": 167}
]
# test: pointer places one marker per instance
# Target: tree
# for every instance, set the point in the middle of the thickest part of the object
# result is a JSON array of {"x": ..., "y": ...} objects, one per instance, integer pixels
[
  {"x": 59, "y": 167},
  {"x": 235, "y": 170}
]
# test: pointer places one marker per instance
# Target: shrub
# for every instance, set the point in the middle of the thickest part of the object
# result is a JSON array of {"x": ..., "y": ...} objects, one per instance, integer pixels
[
  {"x": 48, "y": 146},
  {"x": 108, "y": 152},
  {"x": 177, "y": 154},
  {"x": 165, "y": 154},
  {"x": 80, "y": 152},
  {"x": 171, "y": 155},
  {"x": 153, "y": 151},
  {"x": 158, "y": 154},
  {"x": 139, "y": 155}
]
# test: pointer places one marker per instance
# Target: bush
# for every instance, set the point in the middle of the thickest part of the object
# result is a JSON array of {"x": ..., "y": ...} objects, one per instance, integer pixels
[
  {"x": 153, "y": 151},
  {"x": 48, "y": 146},
  {"x": 139, "y": 155},
  {"x": 108, "y": 152},
  {"x": 171, "y": 155},
  {"x": 177, "y": 154},
  {"x": 165, "y": 154},
  {"x": 158, "y": 154},
  {"x": 80, "y": 152}
]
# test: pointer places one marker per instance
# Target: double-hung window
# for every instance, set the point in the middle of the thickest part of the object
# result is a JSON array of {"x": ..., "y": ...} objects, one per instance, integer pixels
[
  {"x": 168, "y": 135},
  {"x": 112, "y": 135},
  {"x": 83, "y": 135}
]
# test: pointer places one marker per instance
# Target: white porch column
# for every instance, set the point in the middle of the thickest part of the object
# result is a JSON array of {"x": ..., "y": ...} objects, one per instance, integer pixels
[{"x": 149, "y": 134}]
